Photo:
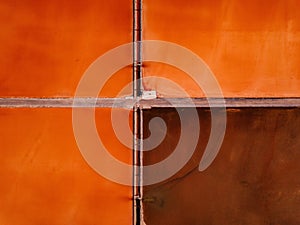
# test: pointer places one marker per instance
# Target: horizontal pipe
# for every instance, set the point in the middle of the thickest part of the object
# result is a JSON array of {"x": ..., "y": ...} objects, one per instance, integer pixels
[{"x": 129, "y": 103}]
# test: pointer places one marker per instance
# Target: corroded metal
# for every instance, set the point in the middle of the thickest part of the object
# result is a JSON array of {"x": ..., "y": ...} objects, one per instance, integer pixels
[{"x": 253, "y": 180}]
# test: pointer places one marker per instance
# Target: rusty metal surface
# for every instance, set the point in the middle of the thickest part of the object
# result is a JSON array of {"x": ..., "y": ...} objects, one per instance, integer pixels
[
  {"x": 252, "y": 48},
  {"x": 254, "y": 179}
]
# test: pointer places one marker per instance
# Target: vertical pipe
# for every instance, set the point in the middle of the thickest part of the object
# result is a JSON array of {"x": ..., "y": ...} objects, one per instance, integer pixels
[
  {"x": 136, "y": 171},
  {"x": 137, "y": 48},
  {"x": 137, "y": 114},
  {"x": 141, "y": 164}
]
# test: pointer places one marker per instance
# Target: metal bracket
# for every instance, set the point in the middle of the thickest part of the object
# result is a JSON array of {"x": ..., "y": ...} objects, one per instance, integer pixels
[{"x": 146, "y": 95}]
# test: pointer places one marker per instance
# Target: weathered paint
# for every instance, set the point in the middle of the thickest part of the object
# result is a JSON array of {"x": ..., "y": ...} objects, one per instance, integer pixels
[{"x": 253, "y": 180}]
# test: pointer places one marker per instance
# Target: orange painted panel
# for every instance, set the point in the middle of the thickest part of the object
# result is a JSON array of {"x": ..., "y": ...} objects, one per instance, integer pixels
[
  {"x": 252, "y": 47},
  {"x": 44, "y": 178},
  {"x": 46, "y": 46}
]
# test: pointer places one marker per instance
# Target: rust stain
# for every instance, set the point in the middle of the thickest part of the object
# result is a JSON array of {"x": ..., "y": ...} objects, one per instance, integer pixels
[{"x": 253, "y": 180}]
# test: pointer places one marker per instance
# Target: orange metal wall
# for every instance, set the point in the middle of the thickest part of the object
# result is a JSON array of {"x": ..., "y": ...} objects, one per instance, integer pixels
[
  {"x": 45, "y": 180},
  {"x": 252, "y": 47},
  {"x": 47, "y": 45},
  {"x": 45, "y": 48}
]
